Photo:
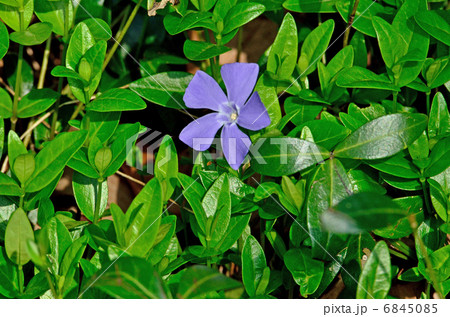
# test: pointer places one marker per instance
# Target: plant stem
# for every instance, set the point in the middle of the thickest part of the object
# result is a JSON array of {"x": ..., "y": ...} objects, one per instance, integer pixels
[
  {"x": 17, "y": 88},
  {"x": 60, "y": 86},
  {"x": 350, "y": 22},
  {"x": 413, "y": 223},
  {"x": 50, "y": 283},
  {"x": 44, "y": 65},
  {"x": 240, "y": 38},
  {"x": 428, "y": 103},
  {"x": 394, "y": 99},
  {"x": 98, "y": 201},
  {"x": 120, "y": 34},
  {"x": 262, "y": 235},
  {"x": 20, "y": 275}
]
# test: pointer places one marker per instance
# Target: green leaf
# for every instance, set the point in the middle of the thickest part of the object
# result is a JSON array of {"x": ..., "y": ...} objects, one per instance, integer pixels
[
  {"x": 302, "y": 111},
  {"x": 329, "y": 186},
  {"x": 175, "y": 24},
  {"x": 18, "y": 232},
  {"x": 197, "y": 281},
  {"x": 314, "y": 46},
  {"x": 217, "y": 207},
  {"x": 85, "y": 190},
  {"x": 199, "y": 50},
  {"x": 436, "y": 72},
  {"x": 362, "y": 212},
  {"x": 285, "y": 156},
  {"x": 241, "y": 14},
  {"x": 6, "y": 104},
  {"x": 266, "y": 88},
  {"x": 375, "y": 279},
  {"x": 382, "y": 137},
  {"x": 166, "y": 166},
  {"x": 311, "y": 6},
  {"x": 439, "y": 122},
  {"x": 36, "y": 102},
  {"x": 69, "y": 263},
  {"x": 397, "y": 166},
  {"x": 117, "y": 100},
  {"x": 80, "y": 42},
  {"x": 24, "y": 166},
  {"x": 143, "y": 219},
  {"x": 358, "y": 77},
  {"x": 9, "y": 187},
  {"x": 8, "y": 276},
  {"x": 61, "y": 71},
  {"x": 306, "y": 271},
  {"x": 163, "y": 239},
  {"x": 194, "y": 192},
  {"x": 283, "y": 52},
  {"x": 402, "y": 228},
  {"x": 439, "y": 159},
  {"x": 52, "y": 159},
  {"x": 366, "y": 11},
  {"x": 15, "y": 147},
  {"x": 54, "y": 12},
  {"x": 10, "y": 15},
  {"x": 36, "y": 34},
  {"x": 129, "y": 277},
  {"x": 253, "y": 266},
  {"x": 99, "y": 29},
  {"x": 436, "y": 23},
  {"x": 4, "y": 40},
  {"x": 165, "y": 89}
]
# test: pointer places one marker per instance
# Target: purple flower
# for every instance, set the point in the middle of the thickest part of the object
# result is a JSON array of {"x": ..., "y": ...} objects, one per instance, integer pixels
[{"x": 231, "y": 111}]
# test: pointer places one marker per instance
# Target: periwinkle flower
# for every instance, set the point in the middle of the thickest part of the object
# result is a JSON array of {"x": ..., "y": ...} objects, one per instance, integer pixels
[{"x": 239, "y": 108}]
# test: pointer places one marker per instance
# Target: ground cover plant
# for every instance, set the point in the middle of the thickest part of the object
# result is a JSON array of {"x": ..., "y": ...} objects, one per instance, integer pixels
[{"x": 313, "y": 163}]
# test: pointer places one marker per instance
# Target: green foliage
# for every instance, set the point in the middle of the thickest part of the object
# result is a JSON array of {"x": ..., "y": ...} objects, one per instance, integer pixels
[{"x": 348, "y": 185}]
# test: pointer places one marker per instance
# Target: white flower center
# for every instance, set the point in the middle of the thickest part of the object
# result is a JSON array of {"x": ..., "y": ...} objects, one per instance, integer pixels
[{"x": 233, "y": 116}]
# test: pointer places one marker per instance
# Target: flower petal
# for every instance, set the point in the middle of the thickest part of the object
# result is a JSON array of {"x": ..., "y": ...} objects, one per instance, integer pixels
[
  {"x": 204, "y": 92},
  {"x": 235, "y": 145},
  {"x": 199, "y": 134},
  {"x": 254, "y": 115},
  {"x": 240, "y": 79}
]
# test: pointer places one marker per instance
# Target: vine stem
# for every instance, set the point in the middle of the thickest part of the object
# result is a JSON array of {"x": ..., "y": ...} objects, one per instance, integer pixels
[
  {"x": 394, "y": 99},
  {"x": 350, "y": 22},
  {"x": 17, "y": 88},
  {"x": 20, "y": 276},
  {"x": 44, "y": 65},
  {"x": 428, "y": 103},
  {"x": 50, "y": 284},
  {"x": 413, "y": 223},
  {"x": 120, "y": 34},
  {"x": 98, "y": 201},
  {"x": 240, "y": 39}
]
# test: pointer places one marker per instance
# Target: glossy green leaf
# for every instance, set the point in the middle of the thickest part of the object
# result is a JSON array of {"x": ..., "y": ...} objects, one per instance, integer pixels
[
  {"x": 253, "y": 266},
  {"x": 85, "y": 190},
  {"x": 117, "y": 100},
  {"x": 52, "y": 159},
  {"x": 166, "y": 166},
  {"x": 375, "y": 280},
  {"x": 143, "y": 219},
  {"x": 10, "y": 15},
  {"x": 9, "y": 187},
  {"x": 439, "y": 122},
  {"x": 439, "y": 159},
  {"x": 24, "y": 166},
  {"x": 382, "y": 137},
  {"x": 285, "y": 156},
  {"x": 18, "y": 232},
  {"x": 198, "y": 280},
  {"x": 54, "y": 12},
  {"x": 241, "y": 14},
  {"x": 436, "y": 23},
  {"x": 314, "y": 46},
  {"x": 329, "y": 186},
  {"x": 165, "y": 89},
  {"x": 362, "y": 212},
  {"x": 358, "y": 77},
  {"x": 283, "y": 52},
  {"x": 311, "y": 6},
  {"x": 6, "y": 104},
  {"x": 306, "y": 271},
  {"x": 36, "y": 34},
  {"x": 174, "y": 23},
  {"x": 199, "y": 50},
  {"x": 36, "y": 102},
  {"x": 129, "y": 277},
  {"x": 4, "y": 40}
]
